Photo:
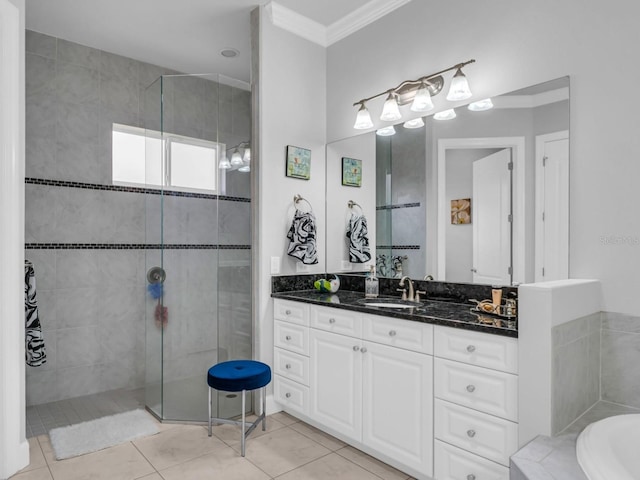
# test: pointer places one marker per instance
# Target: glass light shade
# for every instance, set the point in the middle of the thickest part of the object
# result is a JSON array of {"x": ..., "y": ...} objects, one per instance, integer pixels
[
  {"x": 236, "y": 159},
  {"x": 390, "y": 110},
  {"x": 246, "y": 157},
  {"x": 224, "y": 163},
  {"x": 244, "y": 169},
  {"x": 445, "y": 115},
  {"x": 363, "y": 119},
  {"x": 481, "y": 105},
  {"x": 415, "y": 123},
  {"x": 386, "y": 131},
  {"x": 422, "y": 101},
  {"x": 459, "y": 89}
]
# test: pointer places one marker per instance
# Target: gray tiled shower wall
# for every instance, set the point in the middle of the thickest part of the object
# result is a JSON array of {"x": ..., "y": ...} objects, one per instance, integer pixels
[
  {"x": 594, "y": 358},
  {"x": 93, "y": 302}
]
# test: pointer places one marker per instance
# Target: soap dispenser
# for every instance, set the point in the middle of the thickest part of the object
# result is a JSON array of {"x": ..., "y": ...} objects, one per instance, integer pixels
[{"x": 371, "y": 284}]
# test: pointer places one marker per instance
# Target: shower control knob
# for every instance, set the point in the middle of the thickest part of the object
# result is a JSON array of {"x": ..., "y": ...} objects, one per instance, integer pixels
[
  {"x": 471, "y": 433},
  {"x": 332, "y": 320},
  {"x": 471, "y": 348},
  {"x": 356, "y": 348},
  {"x": 287, "y": 338},
  {"x": 471, "y": 388},
  {"x": 392, "y": 333},
  {"x": 471, "y": 476},
  {"x": 363, "y": 350},
  {"x": 288, "y": 395},
  {"x": 288, "y": 367}
]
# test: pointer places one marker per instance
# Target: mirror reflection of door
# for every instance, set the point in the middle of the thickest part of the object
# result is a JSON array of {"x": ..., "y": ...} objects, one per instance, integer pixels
[{"x": 492, "y": 219}]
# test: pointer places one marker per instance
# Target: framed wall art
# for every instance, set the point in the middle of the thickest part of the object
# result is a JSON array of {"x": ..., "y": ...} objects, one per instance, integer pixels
[
  {"x": 461, "y": 211},
  {"x": 298, "y": 162},
  {"x": 351, "y": 172}
]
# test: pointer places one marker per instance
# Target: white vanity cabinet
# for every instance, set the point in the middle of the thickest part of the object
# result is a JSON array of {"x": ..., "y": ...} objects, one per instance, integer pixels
[
  {"x": 476, "y": 404},
  {"x": 370, "y": 383}
]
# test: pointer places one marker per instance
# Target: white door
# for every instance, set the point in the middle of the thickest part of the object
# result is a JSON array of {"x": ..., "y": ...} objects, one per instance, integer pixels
[
  {"x": 490, "y": 217},
  {"x": 397, "y": 405},
  {"x": 552, "y": 207},
  {"x": 336, "y": 382}
]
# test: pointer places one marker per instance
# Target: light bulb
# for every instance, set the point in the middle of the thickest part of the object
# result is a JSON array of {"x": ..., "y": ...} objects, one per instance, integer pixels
[
  {"x": 415, "y": 123},
  {"x": 422, "y": 101},
  {"x": 244, "y": 169},
  {"x": 236, "y": 159},
  {"x": 459, "y": 89},
  {"x": 246, "y": 158},
  {"x": 481, "y": 105},
  {"x": 445, "y": 115},
  {"x": 224, "y": 162},
  {"x": 363, "y": 119},
  {"x": 390, "y": 110},
  {"x": 386, "y": 131}
]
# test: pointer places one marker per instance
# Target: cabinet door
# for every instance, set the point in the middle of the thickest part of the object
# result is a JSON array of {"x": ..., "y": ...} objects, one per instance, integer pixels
[
  {"x": 336, "y": 382},
  {"x": 397, "y": 404}
]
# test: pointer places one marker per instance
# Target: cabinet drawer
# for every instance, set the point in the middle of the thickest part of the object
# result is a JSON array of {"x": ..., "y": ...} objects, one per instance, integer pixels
[
  {"x": 292, "y": 366},
  {"x": 485, "y": 435},
  {"x": 479, "y": 388},
  {"x": 451, "y": 463},
  {"x": 294, "y": 338},
  {"x": 337, "y": 321},
  {"x": 291, "y": 395},
  {"x": 482, "y": 349},
  {"x": 294, "y": 312},
  {"x": 405, "y": 334}
]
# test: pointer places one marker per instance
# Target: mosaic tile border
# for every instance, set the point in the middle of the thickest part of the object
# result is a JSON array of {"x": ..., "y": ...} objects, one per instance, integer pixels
[
  {"x": 131, "y": 246},
  {"x": 140, "y": 190},
  {"x": 398, "y": 247},
  {"x": 399, "y": 205}
]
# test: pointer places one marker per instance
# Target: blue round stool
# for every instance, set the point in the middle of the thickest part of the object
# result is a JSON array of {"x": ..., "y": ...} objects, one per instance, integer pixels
[{"x": 240, "y": 376}]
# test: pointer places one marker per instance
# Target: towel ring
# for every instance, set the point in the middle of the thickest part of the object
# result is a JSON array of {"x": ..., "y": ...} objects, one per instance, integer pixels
[
  {"x": 297, "y": 198},
  {"x": 352, "y": 204}
]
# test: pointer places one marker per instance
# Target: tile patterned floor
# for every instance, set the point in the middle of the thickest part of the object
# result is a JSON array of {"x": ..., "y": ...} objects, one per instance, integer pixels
[{"x": 288, "y": 450}]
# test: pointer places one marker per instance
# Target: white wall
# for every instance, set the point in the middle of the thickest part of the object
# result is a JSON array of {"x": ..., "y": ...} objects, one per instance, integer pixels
[
  {"x": 292, "y": 112},
  {"x": 14, "y": 449},
  {"x": 517, "y": 44}
]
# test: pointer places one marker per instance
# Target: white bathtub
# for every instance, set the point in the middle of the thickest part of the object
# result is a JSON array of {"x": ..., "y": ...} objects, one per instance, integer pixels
[{"x": 610, "y": 449}]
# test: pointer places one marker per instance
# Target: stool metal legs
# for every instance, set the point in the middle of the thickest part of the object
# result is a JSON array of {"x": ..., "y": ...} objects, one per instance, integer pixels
[{"x": 262, "y": 418}]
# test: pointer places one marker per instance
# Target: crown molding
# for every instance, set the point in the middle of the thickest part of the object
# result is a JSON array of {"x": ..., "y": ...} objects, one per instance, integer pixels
[
  {"x": 297, "y": 24},
  {"x": 360, "y": 18}
]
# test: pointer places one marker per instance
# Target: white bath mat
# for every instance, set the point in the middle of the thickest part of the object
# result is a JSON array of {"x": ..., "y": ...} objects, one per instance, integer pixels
[{"x": 102, "y": 433}]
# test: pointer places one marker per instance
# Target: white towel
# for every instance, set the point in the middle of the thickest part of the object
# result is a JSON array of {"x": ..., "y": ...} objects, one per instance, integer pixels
[{"x": 358, "y": 241}]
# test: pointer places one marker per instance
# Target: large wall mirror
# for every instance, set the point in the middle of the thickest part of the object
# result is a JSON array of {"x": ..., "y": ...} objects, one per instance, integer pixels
[{"x": 479, "y": 198}]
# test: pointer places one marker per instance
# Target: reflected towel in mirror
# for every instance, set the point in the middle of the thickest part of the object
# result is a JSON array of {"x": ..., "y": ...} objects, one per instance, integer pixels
[
  {"x": 358, "y": 241},
  {"x": 35, "y": 352}
]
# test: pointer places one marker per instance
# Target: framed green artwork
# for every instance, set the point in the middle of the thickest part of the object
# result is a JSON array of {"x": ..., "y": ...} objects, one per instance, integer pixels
[
  {"x": 298, "y": 162},
  {"x": 351, "y": 172}
]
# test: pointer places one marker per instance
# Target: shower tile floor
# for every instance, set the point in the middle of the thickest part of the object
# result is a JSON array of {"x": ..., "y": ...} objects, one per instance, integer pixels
[{"x": 288, "y": 450}]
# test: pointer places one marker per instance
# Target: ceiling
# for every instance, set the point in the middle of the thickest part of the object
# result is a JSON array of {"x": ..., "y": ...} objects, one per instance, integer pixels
[{"x": 186, "y": 35}]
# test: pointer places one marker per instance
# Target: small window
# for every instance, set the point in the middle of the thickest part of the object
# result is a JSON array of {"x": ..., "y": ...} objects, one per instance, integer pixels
[{"x": 188, "y": 164}]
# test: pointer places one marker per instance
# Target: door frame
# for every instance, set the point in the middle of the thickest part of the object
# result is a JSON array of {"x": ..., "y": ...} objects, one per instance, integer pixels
[{"x": 518, "y": 237}]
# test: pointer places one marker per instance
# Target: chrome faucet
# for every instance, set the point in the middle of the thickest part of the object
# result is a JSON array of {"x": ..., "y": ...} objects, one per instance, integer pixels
[{"x": 410, "y": 296}]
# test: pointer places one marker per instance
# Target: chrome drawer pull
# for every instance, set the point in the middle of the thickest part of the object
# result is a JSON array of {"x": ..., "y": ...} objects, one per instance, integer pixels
[
  {"x": 287, "y": 312},
  {"x": 332, "y": 320},
  {"x": 392, "y": 333},
  {"x": 288, "y": 337},
  {"x": 471, "y": 476},
  {"x": 471, "y": 348},
  {"x": 356, "y": 348},
  {"x": 363, "y": 349},
  {"x": 288, "y": 367},
  {"x": 288, "y": 395},
  {"x": 471, "y": 388},
  {"x": 471, "y": 433}
]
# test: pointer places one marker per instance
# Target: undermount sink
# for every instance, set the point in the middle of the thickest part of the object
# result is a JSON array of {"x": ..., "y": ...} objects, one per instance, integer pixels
[{"x": 389, "y": 303}]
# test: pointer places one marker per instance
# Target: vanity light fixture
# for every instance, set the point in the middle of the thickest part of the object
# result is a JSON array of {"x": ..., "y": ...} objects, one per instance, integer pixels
[
  {"x": 415, "y": 123},
  {"x": 444, "y": 115},
  {"x": 236, "y": 159},
  {"x": 386, "y": 131},
  {"x": 481, "y": 105},
  {"x": 418, "y": 92},
  {"x": 238, "y": 162},
  {"x": 224, "y": 163}
]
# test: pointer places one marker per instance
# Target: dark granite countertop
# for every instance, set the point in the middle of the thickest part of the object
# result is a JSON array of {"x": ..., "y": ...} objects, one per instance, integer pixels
[{"x": 449, "y": 314}]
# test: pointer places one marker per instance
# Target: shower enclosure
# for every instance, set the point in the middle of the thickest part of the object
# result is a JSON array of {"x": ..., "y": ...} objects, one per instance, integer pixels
[{"x": 198, "y": 235}]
